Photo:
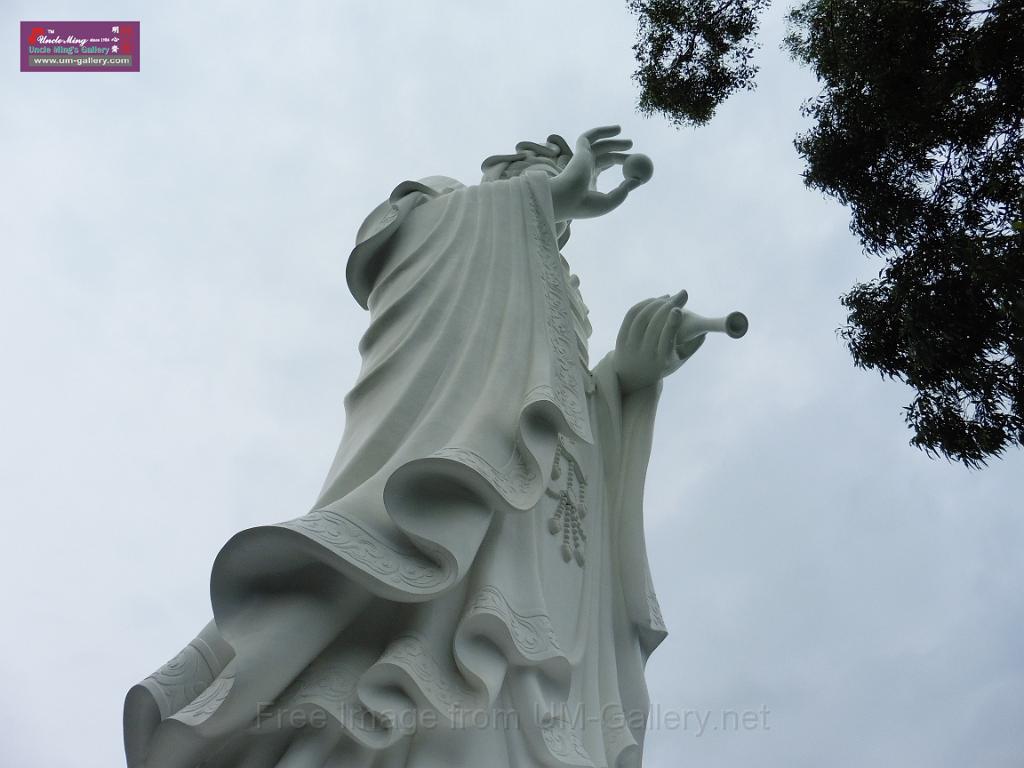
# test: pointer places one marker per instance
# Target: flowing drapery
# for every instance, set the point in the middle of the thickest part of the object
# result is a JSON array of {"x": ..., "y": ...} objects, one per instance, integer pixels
[{"x": 487, "y": 493}]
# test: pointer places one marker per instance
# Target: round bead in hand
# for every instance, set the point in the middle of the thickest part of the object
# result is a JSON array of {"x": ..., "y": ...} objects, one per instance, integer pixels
[{"x": 638, "y": 168}]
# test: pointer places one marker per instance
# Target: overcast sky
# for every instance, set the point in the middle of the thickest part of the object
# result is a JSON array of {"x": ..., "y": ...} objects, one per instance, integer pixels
[{"x": 177, "y": 338}]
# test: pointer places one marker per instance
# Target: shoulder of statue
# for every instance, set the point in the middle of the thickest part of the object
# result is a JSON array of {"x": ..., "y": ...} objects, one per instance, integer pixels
[
  {"x": 383, "y": 222},
  {"x": 403, "y": 198}
]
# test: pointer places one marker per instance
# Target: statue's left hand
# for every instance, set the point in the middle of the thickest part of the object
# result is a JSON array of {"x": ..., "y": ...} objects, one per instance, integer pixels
[
  {"x": 646, "y": 349},
  {"x": 574, "y": 190}
]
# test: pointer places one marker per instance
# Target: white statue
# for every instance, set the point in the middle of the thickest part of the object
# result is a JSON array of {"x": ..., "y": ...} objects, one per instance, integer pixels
[{"x": 471, "y": 588}]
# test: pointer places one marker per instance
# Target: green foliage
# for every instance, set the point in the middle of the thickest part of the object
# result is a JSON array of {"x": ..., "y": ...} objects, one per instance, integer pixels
[
  {"x": 918, "y": 129},
  {"x": 693, "y": 54}
]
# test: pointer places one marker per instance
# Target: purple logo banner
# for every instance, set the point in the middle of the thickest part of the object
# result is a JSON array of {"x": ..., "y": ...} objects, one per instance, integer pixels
[{"x": 79, "y": 46}]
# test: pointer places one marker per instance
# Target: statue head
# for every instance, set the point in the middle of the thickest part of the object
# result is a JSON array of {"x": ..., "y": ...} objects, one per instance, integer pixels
[{"x": 550, "y": 157}]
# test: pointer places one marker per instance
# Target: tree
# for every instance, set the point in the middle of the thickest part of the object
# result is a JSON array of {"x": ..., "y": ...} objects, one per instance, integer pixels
[
  {"x": 918, "y": 129},
  {"x": 693, "y": 54}
]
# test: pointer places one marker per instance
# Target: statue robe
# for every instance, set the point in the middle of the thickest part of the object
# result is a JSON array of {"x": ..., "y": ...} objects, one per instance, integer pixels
[{"x": 487, "y": 493}]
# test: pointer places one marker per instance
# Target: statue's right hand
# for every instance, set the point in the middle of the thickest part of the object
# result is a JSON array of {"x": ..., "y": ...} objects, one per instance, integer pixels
[
  {"x": 647, "y": 348},
  {"x": 574, "y": 191}
]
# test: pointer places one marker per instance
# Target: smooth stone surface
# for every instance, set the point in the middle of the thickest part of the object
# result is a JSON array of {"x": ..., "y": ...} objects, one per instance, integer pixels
[
  {"x": 472, "y": 586},
  {"x": 638, "y": 168}
]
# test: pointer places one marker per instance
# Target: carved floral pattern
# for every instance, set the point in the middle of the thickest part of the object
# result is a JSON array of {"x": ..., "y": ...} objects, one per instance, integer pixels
[
  {"x": 533, "y": 635},
  {"x": 446, "y": 691},
  {"x": 207, "y": 702},
  {"x": 183, "y": 678},
  {"x": 564, "y": 743},
  {"x": 654, "y": 609},
  {"x": 513, "y": 483},
  {"x": 568, "y": 384},
  {"x": 330, "y": 685},
  {"x": 405, "y": 568}
]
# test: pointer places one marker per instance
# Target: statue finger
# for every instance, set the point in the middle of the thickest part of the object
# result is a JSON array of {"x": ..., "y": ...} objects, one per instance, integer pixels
[
  {"x": 643, "y": 319},
  {"x": 601, "y": 132},
  {"x": 608, "y": 159},
  {"x": 661, "y": 321},
  {"x": 596, "y": 203},
  {"x": 627, "y": 321},
  {"x": 544, "y": 150},
  {"x": 668, "y": 333},
  {"x": 611, "y": 145},
  {"x": 656, "y": 325}
]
